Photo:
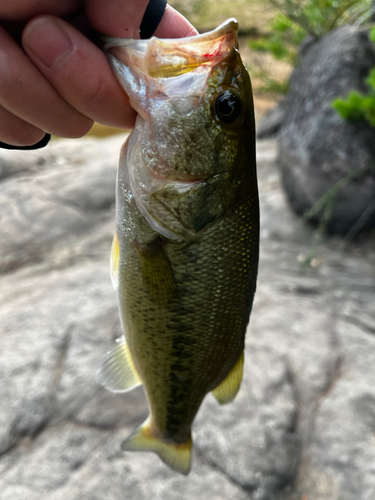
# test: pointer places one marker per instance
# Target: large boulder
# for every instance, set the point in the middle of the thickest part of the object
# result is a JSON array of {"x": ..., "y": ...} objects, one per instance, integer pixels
[
  {"x": 317, "y": 147},
  {"x": 271, "y": 122},
  {"x": 302, "y": 424}
]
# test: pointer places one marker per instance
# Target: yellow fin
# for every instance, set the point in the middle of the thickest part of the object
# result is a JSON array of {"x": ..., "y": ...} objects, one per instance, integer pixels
[
  {"x": 115, "y": 251},
  {"x": 227, "y": 390},
  {"x": 117, "y": 373},
  {"x": 157, "y": 274},
  {"x": 176, "y": 455}
]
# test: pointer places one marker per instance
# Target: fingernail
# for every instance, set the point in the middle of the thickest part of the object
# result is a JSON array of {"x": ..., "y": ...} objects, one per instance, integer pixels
[{"x": 47, "y": 40}]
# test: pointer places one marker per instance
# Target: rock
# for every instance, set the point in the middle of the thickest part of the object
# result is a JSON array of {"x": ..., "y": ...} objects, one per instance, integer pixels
[
  {"x": 48, "y": 462},
  {"x": 74, "y": 461},
  {"x": 343, "y": 439},
  {"x": 302, "y": 423},
  {"x": 46, "y": 206},
  {"x": 252, "y": 440},
  {"x": 318, "y": 148},
  {"x": 271, "y": 123},
  {"x": 306, "y": 45}
]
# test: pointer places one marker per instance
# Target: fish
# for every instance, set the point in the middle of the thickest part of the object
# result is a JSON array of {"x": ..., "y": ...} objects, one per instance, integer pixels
[{"x": 184, "y": 257}]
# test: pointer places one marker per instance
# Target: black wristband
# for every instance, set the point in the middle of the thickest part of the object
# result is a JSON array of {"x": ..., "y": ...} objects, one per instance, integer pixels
[
  {"x": 152, "y": 17},
  {"x": 38, "y": 145}
]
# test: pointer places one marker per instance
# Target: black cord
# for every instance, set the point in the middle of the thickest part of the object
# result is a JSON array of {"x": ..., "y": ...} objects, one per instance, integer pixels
[
  {"x": 152, "y": 17},
  {"x": 38, "y": 145}
]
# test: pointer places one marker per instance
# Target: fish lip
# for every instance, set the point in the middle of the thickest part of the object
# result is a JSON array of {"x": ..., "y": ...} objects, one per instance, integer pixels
[
  {"x": 160, "y": 58},
  {"x": 150, "y": 68},
  {"x": 230, "y": 25}
]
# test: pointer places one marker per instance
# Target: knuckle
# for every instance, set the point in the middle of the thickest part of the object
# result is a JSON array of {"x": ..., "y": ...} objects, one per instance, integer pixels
[
  {"x": 77, "y": 127},
  {"x": 9, "y": 84},
  {"x": 91, "y": 93},
  {"x": 19, "y": 133},
  {"x": 31, "y": 137},
  {"x": 68, "y": 122}
]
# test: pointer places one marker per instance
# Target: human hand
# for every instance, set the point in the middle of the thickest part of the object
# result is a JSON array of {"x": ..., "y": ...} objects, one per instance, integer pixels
[{"x": 61, "y": 83}]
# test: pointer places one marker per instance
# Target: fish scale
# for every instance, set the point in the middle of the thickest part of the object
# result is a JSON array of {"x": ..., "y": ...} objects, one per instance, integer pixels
[
  {"x": 185, "y": 253},
  {"x": 187, "y": 319}
]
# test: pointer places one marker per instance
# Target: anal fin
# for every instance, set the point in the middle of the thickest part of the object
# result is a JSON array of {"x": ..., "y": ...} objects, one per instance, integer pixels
[
  {"x": 117, "y": 373},
  {"x": 176, "y": 455},
  {"x": 227, "y": 390}
]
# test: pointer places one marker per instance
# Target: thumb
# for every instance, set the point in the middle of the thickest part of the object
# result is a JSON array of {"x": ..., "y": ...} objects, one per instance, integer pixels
[{"x": 125, "y": 19}]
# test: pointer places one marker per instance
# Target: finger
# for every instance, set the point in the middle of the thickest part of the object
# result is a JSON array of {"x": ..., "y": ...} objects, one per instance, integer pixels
[
  {"x": 116, "y": 17},
  {"x": 17, "y": 132},
  {"x": 123, "y": 19},
  {"x": 81, "y": 76},
  {"x": 25, "y": 93},
  {"x": 174, "y": 25}
]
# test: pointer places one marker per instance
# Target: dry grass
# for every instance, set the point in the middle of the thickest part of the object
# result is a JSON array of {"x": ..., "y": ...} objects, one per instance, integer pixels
[
  {"x": 254, "y": 61},
  {"x": 207, "y": 14}
]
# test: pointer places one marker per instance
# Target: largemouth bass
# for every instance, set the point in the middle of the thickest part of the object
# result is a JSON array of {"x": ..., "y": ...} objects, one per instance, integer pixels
[{"x": 185, "y": 253}]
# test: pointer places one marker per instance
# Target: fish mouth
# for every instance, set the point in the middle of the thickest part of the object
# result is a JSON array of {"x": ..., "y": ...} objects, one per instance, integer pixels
[
  {"x": 169, "y": 51},
  {"x": 143, "y": 67}
]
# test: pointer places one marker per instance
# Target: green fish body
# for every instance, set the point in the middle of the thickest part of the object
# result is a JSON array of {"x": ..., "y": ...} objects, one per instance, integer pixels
[{"x": 185, "y": 253}]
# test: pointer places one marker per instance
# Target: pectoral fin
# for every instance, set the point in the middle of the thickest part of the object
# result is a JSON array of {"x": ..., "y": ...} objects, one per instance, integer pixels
[
  {"x": 227, "y": 390},
  {"x": 115, "y": 252},
  {"x": 117, "y": 373},
  {"x": 157, "y": 275}
]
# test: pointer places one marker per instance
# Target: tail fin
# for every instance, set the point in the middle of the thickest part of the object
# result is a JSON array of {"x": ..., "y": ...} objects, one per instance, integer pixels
[{"x": 176, "y": 455}]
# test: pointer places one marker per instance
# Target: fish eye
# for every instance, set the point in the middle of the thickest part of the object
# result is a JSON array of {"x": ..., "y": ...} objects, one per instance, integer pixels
[{"x": 227, "y": 107}]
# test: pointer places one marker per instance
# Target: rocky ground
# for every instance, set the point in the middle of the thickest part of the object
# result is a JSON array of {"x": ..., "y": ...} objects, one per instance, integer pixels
[{"x": 303, "y": 424}]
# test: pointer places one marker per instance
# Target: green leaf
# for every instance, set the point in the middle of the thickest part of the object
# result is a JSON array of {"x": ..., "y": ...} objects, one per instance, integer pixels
[
  {"x": 350, "y": 108},
  {"x": 275, "y": 87},
  {"x": 370, "y": 80},
  {"x": 368, "y": 107}
]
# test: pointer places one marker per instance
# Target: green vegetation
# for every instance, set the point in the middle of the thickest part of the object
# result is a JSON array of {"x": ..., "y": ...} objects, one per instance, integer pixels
[
  {"x": 283, "y": 41},
  {"x": 358, "y": 106},
  {"x": 270, "y": 85},
  {"x": 319, "y": 17},
  {"x": 207, "y": 14},
  {"x": 297, "y": 19}
]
